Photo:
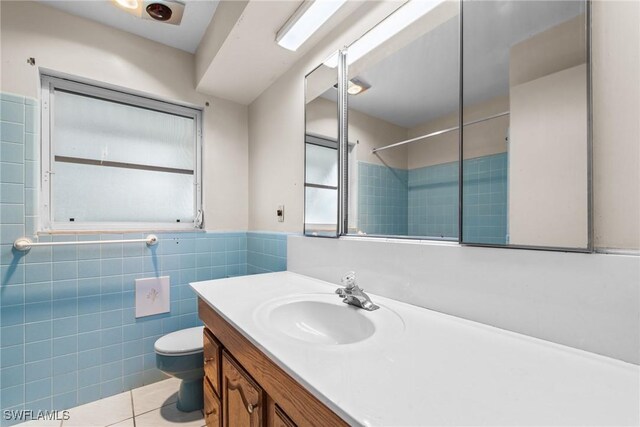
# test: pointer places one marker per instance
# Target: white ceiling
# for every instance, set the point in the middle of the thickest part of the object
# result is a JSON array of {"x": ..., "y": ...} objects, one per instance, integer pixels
[
  {"x": 186, "y": 36},
  {"x": 419, "y": 82},
  {"x": 250, "y": 60}
]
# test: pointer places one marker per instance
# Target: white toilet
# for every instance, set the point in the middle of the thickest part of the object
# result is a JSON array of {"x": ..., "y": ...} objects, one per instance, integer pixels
[{"x": 180, "y": 355}]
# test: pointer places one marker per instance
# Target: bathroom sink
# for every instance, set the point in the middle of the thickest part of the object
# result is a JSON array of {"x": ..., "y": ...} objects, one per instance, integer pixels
[
  {"x": 321, "y": 322},
  {"x": 323, "y": 319}
]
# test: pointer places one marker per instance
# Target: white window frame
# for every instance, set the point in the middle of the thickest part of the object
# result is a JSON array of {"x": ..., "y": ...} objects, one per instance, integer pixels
[{"x": 48, "y": 86}]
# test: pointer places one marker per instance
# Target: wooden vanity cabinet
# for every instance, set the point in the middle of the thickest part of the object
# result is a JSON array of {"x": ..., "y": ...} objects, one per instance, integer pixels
[{"x": 245, "y": 388}]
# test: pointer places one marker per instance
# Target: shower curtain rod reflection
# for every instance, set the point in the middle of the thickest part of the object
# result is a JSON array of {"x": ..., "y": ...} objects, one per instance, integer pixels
[{"x": 440, "y": 132}]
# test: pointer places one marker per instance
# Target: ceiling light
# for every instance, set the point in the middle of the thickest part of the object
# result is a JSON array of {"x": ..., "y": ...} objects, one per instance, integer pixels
[
  {"x": 305, "y": 21},
  {"x": 356, "y": 86},
  {"x": 127, "y": 4},
  {"x": 390, "y": 26}
]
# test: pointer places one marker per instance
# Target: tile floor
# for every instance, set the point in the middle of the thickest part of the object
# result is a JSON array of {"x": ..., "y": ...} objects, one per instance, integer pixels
[{"x": 153, "y": 405}]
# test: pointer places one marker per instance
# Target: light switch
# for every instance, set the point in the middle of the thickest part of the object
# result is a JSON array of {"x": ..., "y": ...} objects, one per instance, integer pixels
[
  {"x": 152, "y": 296},
  {"x": 280, "y": 213}
]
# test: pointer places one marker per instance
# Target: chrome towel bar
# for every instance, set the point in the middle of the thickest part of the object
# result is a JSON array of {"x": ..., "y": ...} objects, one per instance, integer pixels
[{"x": 24, "y": 243}]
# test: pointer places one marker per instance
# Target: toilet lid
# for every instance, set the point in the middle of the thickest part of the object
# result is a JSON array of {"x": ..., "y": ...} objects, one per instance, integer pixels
[{"x": 180, "y": 343}]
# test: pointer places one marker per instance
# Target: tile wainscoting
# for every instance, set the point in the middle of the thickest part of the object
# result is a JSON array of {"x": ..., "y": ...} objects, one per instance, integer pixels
[{"x": 68, "y": 332}]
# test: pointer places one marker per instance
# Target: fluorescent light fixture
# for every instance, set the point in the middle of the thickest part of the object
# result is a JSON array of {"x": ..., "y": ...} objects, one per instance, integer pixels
[
  {"x": 406, "y": 15},
  {"x": 127, "y": 4},
  {"x": 305, "y": 21}
]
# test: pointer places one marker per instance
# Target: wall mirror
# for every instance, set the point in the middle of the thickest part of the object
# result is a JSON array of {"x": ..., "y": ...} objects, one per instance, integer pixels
[
  {"x": 467, "y": 121},
  {"x": 402, "y": 93},
  {"x": 525, "y": 134},
  {"x": 321, "y": 153}
]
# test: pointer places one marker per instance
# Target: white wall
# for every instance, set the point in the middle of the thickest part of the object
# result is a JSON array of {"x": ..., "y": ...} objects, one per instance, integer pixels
[
  {"x": 88, "y": 50},
  {"x": 616, "y": 123},
  {"x": 586, "y": 301},
  {"x": 276, "y": 130},
  {"x": 548, "y": 190}
]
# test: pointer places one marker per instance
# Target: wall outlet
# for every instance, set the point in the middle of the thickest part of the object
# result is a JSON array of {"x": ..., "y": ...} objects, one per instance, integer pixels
[
  {"x": 280, "y": 213},
  {"x": 152, "y": 296}
]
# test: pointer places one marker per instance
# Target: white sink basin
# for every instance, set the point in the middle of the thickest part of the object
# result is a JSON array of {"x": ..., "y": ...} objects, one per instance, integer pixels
[{"x": 323, "y": 319}]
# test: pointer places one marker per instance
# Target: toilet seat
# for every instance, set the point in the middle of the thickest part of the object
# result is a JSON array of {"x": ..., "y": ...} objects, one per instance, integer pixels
[{"x": 181, "y": 343}]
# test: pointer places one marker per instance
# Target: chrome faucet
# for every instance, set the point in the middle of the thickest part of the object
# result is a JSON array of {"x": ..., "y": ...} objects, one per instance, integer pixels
[{"x": 354, "y": 295}]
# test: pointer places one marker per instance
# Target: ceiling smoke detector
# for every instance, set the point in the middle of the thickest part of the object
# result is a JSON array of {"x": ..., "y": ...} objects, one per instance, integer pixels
[{"x": 165, "y": 11}]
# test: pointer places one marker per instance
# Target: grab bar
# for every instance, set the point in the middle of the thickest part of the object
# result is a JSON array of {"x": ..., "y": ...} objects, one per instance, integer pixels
[
  {"x": 440, "y": 132},
  {"x": 24, "y": 243}
]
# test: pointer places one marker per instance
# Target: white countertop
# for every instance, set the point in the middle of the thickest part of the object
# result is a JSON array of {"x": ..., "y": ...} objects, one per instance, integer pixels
[{"x": 440, "y": 370}]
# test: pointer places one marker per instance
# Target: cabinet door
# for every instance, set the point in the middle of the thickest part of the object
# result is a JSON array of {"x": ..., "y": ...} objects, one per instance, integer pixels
[
  {"x": 212, "y": 352},
  {"x": 212, "y": 410},
  {"x": 243, "y": 399}
]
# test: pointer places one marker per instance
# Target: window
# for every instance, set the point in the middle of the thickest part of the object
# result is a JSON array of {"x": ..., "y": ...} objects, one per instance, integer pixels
[
  {"x": 321, "y": 186},
  {"x": 112, "y": 160}
]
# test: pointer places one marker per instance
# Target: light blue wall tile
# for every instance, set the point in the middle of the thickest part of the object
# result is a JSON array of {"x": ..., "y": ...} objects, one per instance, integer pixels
[
  {"x": 12, "y": 132},
  {"x": 37, "y": 312},
  {"x": 12, "y": 315},
  {"x": 89, "y": 376},
  {"x": 66, "y": 400},
  {"x": 11, "y": 335},
  {"x": 65, "y": 289},
  {"x": 65, "y": 270},
  {"x": 31, "y": 119},
  {"x": 12, "y": 396},
  {"x": 12, "y": 274},
  {"x": 37, "y": 292},
  {"x": 88, "y": 394},
  {"x": 65, "y": 308},
  {"x": 65, "y": 327},
  {"x": 37, "y": 390},
  {"x": 38, "y": 331},
  {"x": 65, "y": 383},
  {"x": 12, "y": 98},
  {"x": 64, "y": 364},
  {"x": 39, "y": 350},
  {"x": 12, "y": 111},
  {"x": 12, "y": 376},
  {"x": 12, "y": 214},
  {"x": 11, "y": 173},
  {"x": 12, "y": 152},
  {"x": 38, "y": 370},
  {"x": 89, "y": 286},
  {"x": 12, "y": 356},
  {"x": 12, "y": 295}
]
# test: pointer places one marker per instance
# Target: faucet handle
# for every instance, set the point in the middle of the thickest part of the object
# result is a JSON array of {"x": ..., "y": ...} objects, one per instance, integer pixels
[{"x": 349, "y": 280}]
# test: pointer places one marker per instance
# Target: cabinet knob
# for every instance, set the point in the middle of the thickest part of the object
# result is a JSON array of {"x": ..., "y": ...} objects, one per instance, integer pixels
[
  {"x": 251, "y": 407},
  {"x": 213, "y": 411},
  {"x": 208, "y": 359}
]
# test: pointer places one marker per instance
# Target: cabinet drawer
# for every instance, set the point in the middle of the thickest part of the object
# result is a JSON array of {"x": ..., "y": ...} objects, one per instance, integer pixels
[
  {"x": 212, "y": 365},
  {"x": 212, "y": 407}
]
